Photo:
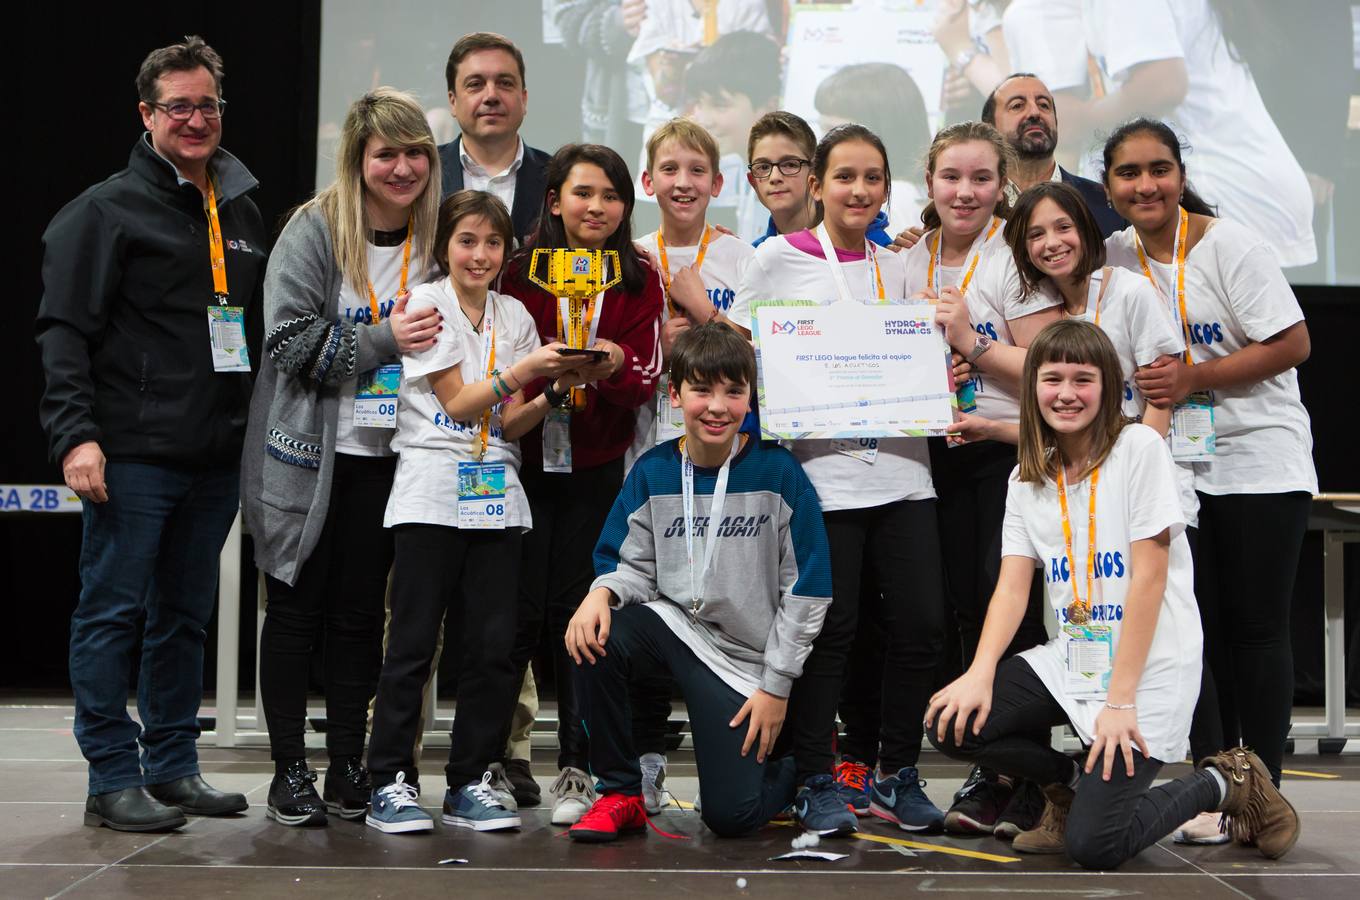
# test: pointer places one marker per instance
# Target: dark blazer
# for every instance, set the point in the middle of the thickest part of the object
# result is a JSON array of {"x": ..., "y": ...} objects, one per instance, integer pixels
[
  {"x": 1092, "y": 192},
  {"x": 530, "y": 183}
]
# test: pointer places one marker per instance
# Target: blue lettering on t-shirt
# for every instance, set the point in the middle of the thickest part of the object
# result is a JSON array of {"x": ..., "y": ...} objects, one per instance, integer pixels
[
  {"x": 363, "y": 315},
  {"x": 722, "y": 298},
  {"x": 1206, "y": 333},
  {"x": 988, "y": 329},
  {"x": 1107, "y": 565}
]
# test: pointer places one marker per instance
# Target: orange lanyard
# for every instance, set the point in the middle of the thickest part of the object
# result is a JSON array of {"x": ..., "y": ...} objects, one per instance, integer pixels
[
  {"x": 935, "y": 262},
  {"x": 1091, "y": 536},
  {"x": 1178, "y": 251},
  {"x": 216, "y": 254},
  {"x": 489, "y": 354},
  {"x": 666, "y": 266},
  {"x": 710, "y": 21},
  {"x": 401, "y": 289},
  {"x": 1104, "y": 280}
]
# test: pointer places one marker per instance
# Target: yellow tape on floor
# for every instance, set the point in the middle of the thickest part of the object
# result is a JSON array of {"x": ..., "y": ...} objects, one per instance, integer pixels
[
  {"x": 935, "y": 848},
  {"x": 1304, "y": 774}
]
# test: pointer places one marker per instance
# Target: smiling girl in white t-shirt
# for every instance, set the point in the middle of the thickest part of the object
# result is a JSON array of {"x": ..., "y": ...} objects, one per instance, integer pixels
[{"x": 1093, "y": 505}]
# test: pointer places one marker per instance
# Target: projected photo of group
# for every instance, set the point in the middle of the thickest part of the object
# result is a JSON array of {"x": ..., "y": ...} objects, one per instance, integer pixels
[{"x": 1263, "y": 94}]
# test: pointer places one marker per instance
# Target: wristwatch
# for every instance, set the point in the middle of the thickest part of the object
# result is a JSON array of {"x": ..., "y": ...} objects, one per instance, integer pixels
[{"x": 983, "y": 344}]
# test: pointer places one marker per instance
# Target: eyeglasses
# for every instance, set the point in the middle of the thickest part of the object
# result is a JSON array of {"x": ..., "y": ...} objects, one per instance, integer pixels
[
  {"x": 762, "y": 170},
  {"x": 183, "y": 112}
]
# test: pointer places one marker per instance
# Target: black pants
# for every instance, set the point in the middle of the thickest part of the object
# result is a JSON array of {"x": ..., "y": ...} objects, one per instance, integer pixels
[
  {"x": 1244, "y": 581},
  {"x": 558, "y": 567},
  {"x": 340, "y": 588},
  {"x": 1111, "y": 821},
  {"x": 739, "y": 794},
  {"x": 898, "y": 546},
  {"x": 473, "y": 577}
]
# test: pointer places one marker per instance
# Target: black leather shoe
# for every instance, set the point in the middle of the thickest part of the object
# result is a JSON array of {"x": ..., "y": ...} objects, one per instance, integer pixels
[
  {"x": 195, "y": 798},
  {"x": 131, "y": 809},
  {"x": 347, "y": 788},
  {"x": 292, "y": 799}
]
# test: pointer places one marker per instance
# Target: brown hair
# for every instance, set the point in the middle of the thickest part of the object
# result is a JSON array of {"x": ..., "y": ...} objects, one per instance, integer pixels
[
  {"x": 472, "y": 43},
  {"x": 962, "y": 133},
  {"x": 1068, "y": 341},
  {"x": 1071, "y": 203},
  {"x": 192, "y": 54},
  {"x": 687, "y": 133},
  {"x": 711, "y": 351},
  {"x": 458, "y": 206},
  {"x": 785, "y": 123}
]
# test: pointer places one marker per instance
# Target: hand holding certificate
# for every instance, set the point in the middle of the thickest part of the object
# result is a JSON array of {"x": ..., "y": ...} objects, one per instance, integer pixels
[{"x": 851, "y": 370}]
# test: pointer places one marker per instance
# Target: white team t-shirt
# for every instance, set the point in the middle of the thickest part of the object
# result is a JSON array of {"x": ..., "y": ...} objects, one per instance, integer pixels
[
  {"x": 1235, "y": 294},
  {"x": 430, "y": 443},
  {"x": 1045, "y": 37},
  {"x": 901, "y": 470},
  {"x": 994, "y": 297},
  {"x": 1135, "y": 500},
  {"x": 1137, "y": 322},
  {"x": 384, "y": 270},
  {"x": 725, "y": 264},
  {"x": 1238, "y": 159}
]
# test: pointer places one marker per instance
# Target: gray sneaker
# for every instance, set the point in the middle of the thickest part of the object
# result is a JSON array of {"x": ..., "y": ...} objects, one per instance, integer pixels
[
  {"x": 501, "y": 787},
  {"x": 575, "y": 795},
  {"x": 654, "y": 795}
]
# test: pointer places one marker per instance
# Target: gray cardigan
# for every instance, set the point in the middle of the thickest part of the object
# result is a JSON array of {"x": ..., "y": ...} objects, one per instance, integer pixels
[{"x": 310, "y": 351}]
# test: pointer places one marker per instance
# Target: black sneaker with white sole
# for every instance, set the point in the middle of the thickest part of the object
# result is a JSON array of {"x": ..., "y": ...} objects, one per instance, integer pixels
[
  {"x": 292, "y": 798},
  {"x": 347, "y": 788}
]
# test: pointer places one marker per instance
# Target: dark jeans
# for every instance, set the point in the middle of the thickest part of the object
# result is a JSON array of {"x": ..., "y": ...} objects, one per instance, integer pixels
[
  {"x": 1244, "y": 582},
  {"x": 473, "y": 576},
  {"x": 739, "y": 794},
  {"x": 898, "y": 546},
  {"x": 1111, "y": 821},
  {"x": 151, "y": 550},
  {"x": 340, "y": 588},
  {"x": 569, "y": 513}
]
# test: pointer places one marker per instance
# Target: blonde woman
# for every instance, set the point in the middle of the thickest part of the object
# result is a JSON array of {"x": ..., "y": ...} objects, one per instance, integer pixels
[{"x": 317, "y": 465}]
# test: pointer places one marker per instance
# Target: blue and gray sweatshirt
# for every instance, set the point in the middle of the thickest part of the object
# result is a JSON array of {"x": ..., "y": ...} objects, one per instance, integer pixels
[{"x": 770, "y": 583}]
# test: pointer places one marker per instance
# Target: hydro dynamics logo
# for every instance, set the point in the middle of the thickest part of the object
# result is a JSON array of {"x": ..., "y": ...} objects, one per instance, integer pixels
[
  {"x": 908, "y": 326},
  {"x": 801, "y": 327}
]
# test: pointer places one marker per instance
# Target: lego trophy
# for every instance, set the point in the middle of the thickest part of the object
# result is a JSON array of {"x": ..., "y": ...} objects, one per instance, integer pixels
[{"x": 575, "y": 277}]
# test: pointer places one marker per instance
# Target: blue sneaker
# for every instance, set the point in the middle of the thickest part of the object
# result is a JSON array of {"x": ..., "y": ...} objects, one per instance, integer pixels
[
  {"x": 394, "y": 808},
  {"x": 854, "y": 780},
  {"x": 820, "y": 808},
  {"x": 479, "y": 806},
  {"x": 899, "y": 799}
]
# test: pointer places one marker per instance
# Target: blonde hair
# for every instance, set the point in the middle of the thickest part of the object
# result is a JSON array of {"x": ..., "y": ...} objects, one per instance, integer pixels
[
  {"x": 963, "y": 133},
  {"x": 687, "y": 133},
  {"x": 396, "y": 118},
  {"x": 1068, "y": 341}
]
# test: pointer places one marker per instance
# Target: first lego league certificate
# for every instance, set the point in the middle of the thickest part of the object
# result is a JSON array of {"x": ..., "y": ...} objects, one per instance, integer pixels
[{"x": 851, "y": 370}]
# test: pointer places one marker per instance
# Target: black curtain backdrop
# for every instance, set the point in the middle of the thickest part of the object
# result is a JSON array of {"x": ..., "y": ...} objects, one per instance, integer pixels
[{"x": 73, "y": 122}]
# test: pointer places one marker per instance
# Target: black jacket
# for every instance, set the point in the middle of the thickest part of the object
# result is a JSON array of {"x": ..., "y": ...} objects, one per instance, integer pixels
[
  {"x": 1093, "y": 193},
  {"x": 530, "y": 183},
  {"x": 123, "y": 323}
]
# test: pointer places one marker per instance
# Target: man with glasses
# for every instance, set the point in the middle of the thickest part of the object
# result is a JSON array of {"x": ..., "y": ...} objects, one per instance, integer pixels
[{"x": 147, "y": 281}]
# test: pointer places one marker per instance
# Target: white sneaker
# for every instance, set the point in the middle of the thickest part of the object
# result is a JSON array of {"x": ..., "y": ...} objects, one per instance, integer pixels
[
  {"x": 1203, "y": 829},
  {"x": 501, "y": 787},
  {"x": 575, "y": 795},
  {"x": 654, "y": 796}
]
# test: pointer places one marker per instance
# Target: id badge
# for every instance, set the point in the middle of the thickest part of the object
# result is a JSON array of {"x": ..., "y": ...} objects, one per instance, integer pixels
[
  {"x": 227, "y": 337},
  {"x": 1090, "y": 659},
  {"x": 481, "y": 495},
  {"x": 863, "y": 449},
  {"x": 1192, "y": 429},
  {"x": 375, "y": 399},
  {"x": 967, "y": 396},
  {"x": 670, "y": 422},
  {"x": 557, "y": 441}
]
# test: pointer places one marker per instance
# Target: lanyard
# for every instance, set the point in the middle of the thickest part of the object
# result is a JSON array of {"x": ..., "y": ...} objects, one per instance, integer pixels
[
  {"x": 710, "y": 21},
  {"x": 1178, "y": 252},
  {"x": 696, "y": 580},
  {"x": 401, "y": 289},
  {"x": 666, "y": 267},
  {"x": 489, "y": 367},
  {"x": 1079, "y": 612},
  {"x": 1104, "y": 280},
  {"x": 216, "y": 255},
  {"x": 838, "y": 273},
  {"x": 933, "y": 270}
]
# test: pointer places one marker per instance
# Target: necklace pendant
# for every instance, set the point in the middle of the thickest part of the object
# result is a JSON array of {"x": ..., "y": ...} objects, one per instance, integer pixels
[
  {"x": 694, "y": 608},
  {"x": 1077, "y": 613}
]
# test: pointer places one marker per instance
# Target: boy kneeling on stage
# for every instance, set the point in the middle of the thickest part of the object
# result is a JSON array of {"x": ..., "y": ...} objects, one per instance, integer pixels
[{"x": 713, "y": 565}]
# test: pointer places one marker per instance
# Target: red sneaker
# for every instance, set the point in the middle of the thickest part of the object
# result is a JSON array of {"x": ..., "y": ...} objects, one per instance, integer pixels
[{"x": 611, "y": 815}]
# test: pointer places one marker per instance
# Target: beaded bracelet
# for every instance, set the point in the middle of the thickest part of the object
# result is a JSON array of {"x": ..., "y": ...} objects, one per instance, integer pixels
[{"x": 1121, "y": 706}]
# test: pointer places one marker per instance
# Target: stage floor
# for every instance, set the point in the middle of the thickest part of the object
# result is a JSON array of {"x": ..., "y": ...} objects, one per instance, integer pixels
[{"x": 46, "y": 851}]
